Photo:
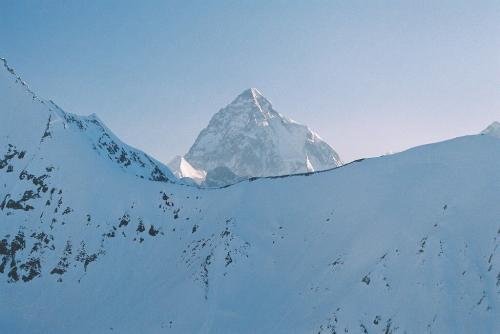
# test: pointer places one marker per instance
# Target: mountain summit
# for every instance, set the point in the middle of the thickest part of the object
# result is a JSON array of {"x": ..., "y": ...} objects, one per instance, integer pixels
[{"x": 251, "y": 138}]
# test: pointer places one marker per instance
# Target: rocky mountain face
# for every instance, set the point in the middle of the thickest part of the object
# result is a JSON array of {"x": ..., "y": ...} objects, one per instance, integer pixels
[
  {"x": 252, "y": 139},
  {"x": 94, "y": 238}
]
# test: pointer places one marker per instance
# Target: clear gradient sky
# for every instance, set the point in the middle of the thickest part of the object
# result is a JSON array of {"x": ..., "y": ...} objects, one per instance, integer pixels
[{"x": 369, "y": 76}]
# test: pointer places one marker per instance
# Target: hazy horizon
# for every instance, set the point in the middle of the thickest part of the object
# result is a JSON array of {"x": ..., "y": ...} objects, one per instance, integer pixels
[{"x": 369, "y": 78}]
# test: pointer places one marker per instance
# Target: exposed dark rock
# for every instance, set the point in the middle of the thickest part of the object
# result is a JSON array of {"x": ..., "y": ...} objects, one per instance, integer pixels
[{"x": 152, "y": 231}]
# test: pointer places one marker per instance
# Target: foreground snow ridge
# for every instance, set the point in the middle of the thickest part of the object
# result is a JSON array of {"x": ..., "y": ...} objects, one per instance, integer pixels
[{"x": 94, "y": 238}]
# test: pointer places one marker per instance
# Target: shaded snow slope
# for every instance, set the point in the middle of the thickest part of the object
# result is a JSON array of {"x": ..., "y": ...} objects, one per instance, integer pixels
[
  {"x": 221, "y": 177},
  {"x": 407, "y": 243},
  {"x": 252, "y": 139},
  {"x": 493, "y": 130}
]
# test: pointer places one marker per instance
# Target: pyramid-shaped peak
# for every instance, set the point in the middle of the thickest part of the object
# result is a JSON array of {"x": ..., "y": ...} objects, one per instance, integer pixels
[
  {"x": 252, "y": 95},
  {"x": 251, "y": 138}
]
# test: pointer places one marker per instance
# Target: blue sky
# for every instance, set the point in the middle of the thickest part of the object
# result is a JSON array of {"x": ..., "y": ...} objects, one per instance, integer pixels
[{"x": 369, "y": 76}]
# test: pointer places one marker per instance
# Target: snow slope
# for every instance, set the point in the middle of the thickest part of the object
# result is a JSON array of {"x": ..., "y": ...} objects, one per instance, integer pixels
[
  {"x": 29, "y": 123},
  {"x": 252, "y": 139},
  {"x": 182, "y": 169},
  {"x": 407, "y": 243},
  {"x": 493, "y": 130}
]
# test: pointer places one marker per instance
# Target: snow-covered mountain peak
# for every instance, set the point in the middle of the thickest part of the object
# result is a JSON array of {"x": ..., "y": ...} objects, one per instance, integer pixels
[
  {"x": 251, "y": 94},
  {"x": 252, "y": 102},
  {"x": 251, "y": 138},
  {"x": 34, "y": 124},
  {"x": 255, "y": 96},
  {"x": 183, "y": 169},
  {"x": 493, "y": 129}
]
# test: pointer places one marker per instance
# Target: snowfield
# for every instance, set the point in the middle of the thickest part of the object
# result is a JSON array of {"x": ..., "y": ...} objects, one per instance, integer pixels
[{"x": 97, "y": 237}]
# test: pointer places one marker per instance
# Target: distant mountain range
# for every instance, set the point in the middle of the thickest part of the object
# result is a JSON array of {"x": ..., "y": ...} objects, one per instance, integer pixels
[{"x": 98, "y": 237}]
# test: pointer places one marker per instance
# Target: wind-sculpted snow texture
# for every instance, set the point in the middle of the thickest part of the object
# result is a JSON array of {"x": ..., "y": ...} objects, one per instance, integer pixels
[
  {"x": 252, "y": 139},
  {"x": 407, "y": 243}
]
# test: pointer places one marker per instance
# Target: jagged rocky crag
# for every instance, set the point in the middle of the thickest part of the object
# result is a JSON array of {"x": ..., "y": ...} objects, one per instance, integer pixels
[{"x": 407, "y": 243}]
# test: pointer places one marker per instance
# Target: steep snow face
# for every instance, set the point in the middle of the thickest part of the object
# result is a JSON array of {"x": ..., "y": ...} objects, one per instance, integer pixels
[
  {"x": 492, "y": 130},
  {"x": 29, "y": 123},
  {"x": 183, "y": 169},
  {"x": 407, "y": 243},
  {"x": 252, "y": 139}
]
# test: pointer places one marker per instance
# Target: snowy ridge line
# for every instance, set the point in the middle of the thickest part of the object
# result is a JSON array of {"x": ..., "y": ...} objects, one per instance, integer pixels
[
  {"x": 255, "y": 178},
  {"x": 98, "y": 136},
  {"x": 19, "y": 79}
]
